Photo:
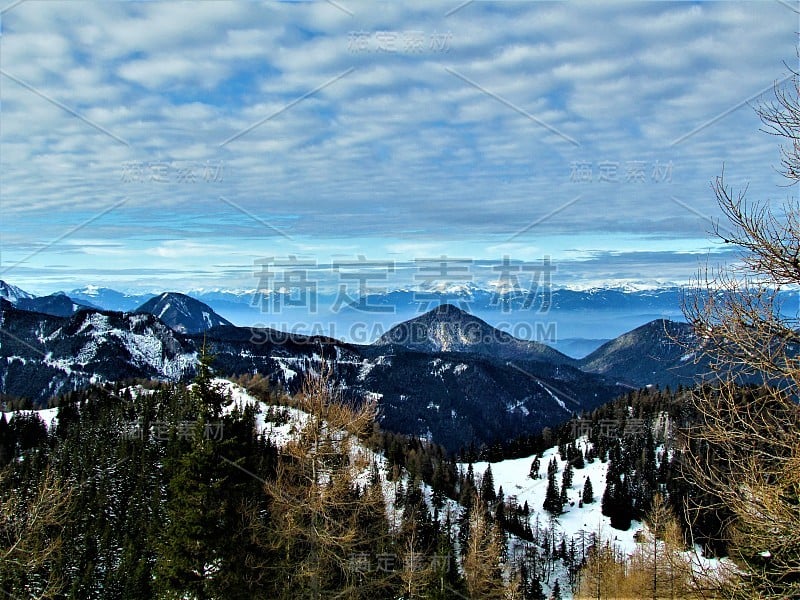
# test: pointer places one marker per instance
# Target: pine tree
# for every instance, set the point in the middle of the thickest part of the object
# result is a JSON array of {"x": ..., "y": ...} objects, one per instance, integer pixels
[
  {"x": 535, "y": 590},
  {"x": 566, "y": 483},
  {"x": 556, "y": 593},
  {"x": 588, "y": 493},
  {"x": 578, "y": 461},
  {"x": 6, "y": 441},
  {"x": 552, "y": 499},
  {"x": 188, "y": 557},
  {"x": 534, "y": 472},
  {"x": 488, "y": 494},
  {"x": 438, "y": 485},
  {"x": 203, "y": 547},
  {"x": 617, "y": 502}
]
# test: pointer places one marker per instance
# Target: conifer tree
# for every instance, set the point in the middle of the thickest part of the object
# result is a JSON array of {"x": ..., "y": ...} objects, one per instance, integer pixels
[
  {"x": 534, "y": 472},
  {"x": 318, "y": 513},
  {"x": 483, "y": 558},
  {"x": 552, "y": 499},
  {"x": 204, "y": 545},
  {"x": 556, "y": 593},
  {"x": 566, "y": 483},
  {"x": 588, "y": 493},
  {"x": 665, "y": 570},
  {"x": 488, "y": 494},
  {"x": 189, "y": 556},
  {"x": 578, "y": 461}
]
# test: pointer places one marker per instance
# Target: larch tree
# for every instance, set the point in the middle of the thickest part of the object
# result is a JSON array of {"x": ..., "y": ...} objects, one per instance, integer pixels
[
  {"x": 483, "y": 566},
  {"x": 747, "y": 446},
  {"x": 318, "y": 515},
  {"x": 659, "y": 566}
]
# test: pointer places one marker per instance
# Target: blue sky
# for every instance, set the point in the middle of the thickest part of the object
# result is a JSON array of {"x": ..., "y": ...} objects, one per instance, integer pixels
[{"x": 170, "y": 145}]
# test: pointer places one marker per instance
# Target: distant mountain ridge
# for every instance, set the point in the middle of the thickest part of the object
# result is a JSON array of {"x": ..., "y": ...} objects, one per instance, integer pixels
[
  {"x": 183, "y": 313},
  {"x": 476, "y": 296},
  {"x": 109, "y": 299},
  {"x": 12, "y": 293},
  {"x": 448, "y": 328},
  {"x": 661, "y": 353},
  {"x": 58, "y": 304}
]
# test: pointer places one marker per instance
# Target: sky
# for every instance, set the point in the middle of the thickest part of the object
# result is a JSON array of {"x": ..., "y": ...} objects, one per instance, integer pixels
[{"x": 183, "y": 145}]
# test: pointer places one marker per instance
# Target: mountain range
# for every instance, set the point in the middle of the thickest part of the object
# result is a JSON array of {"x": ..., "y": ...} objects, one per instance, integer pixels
[
  {"x": 446, "y": 375},
  {"x": 575, "y": 322}
]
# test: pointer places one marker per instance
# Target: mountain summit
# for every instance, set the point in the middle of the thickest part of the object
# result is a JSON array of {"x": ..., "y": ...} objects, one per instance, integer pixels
[
  {"x": 183, "y": 313},
  {"x": 12, "y": 293},
  {"x": 58, "y": 305},
  {"x": 448, "y": 328},
  {"x": 656, "y": 353}
]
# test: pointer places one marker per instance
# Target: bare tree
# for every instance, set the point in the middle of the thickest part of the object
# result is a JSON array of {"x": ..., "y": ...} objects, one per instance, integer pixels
[
  {"x": 31, "y": 522},
  {"x": 746, "y": 448}
]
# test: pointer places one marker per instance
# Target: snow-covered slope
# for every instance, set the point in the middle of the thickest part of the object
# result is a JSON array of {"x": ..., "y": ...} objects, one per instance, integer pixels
[
  {"x": 109, "y": 299},
  {"x": 12, "y": 293},
  {"x": 577, "y": 523},
  {"x": 512, "y": 475},
  {"x": 282, "y": 425},
  {"x": 43, "y": 356}
]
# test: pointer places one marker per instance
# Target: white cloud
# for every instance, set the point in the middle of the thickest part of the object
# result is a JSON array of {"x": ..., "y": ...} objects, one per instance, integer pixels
[{"x": 398, "y": 145}]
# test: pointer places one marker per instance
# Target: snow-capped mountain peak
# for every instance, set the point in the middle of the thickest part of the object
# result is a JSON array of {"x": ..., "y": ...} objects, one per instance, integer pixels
[
  {"x": 12, "y": 293},
  {"x": 183, "y": 313}
]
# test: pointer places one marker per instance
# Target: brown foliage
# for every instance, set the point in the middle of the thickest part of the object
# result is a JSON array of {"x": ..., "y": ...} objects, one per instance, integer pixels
[{"x": 747, "y": 446}]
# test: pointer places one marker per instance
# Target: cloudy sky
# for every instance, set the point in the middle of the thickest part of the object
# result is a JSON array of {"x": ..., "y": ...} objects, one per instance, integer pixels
[{"x": 172, "y": 145}]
